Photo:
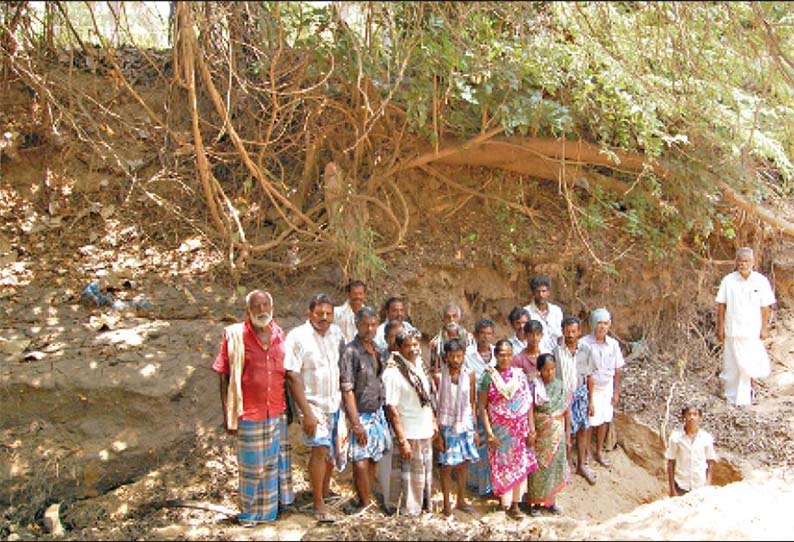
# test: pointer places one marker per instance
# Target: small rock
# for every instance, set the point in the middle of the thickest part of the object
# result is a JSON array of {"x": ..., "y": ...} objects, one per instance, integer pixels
[
  {"x": 35, "y": 355},
  {"x": 52, "y": 520},
  {"x": 13, "y": 537}
]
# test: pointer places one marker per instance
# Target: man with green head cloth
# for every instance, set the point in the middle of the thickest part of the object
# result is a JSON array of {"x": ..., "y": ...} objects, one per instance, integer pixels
[{"x": 606, "y": 357}]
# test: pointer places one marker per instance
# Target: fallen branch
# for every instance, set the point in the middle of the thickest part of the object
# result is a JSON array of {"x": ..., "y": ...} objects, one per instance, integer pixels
[
  {"x": 439, "y": 155},
  {"x": 762, "y": 213}
]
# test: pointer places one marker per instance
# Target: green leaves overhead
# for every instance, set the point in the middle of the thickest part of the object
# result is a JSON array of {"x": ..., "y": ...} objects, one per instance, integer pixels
[
  {"x": 643, "y": 77},
  {"x": 703, "y": 88}
]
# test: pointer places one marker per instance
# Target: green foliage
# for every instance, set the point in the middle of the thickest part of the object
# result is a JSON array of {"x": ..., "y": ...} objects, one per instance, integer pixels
[
  {"x": 365, "y": 262},
  {"x": 691, "y": 86},
  {"x": 514, "y": 240},
  {"x": 702, "y": 89}
]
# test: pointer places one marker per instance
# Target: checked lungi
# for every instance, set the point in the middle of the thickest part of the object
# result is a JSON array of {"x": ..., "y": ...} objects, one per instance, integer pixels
[
  {"x": 479, "y": 479},
  {"x": 416, "y": 476},
  {"x": 579, "y": 404},
  {"x": 378, "y": 437},
  {"x": 264, "y": 458}
]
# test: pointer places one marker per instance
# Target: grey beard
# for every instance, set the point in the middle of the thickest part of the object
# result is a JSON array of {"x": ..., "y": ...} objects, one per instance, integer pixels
[{"x": 262, "y": 320}]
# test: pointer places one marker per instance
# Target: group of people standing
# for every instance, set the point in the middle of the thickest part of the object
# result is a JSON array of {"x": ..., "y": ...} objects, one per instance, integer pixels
[{"x": 499, "y": 417}]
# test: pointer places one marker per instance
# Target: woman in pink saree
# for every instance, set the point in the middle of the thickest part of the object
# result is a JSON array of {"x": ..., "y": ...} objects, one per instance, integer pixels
[{"x": 506, "y": 411}]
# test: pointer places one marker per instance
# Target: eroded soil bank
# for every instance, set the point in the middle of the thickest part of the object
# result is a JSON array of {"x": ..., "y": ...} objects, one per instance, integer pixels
[{"x": 121, "y": 425}]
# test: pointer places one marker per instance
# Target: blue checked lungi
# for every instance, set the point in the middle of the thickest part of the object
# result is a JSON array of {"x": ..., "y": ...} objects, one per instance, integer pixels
[
  {"x": 326, "y": 434},
  {"x": 579, "y": 409},
  {"x": 286, "y": 495},
  {"x": 458, "y": 447},
  {"x": 378, "y": 437},
  {"x": 265, "y": 467},
  {"x": 479, "y": 479}
]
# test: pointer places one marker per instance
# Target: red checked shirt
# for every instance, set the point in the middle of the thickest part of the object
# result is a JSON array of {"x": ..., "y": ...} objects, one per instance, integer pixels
[{"x": 263, "y": 381}]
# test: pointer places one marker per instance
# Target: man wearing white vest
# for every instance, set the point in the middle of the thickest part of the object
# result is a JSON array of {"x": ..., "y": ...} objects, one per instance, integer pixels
[
  {"x": 744, "y": 306},
  {"x": 250, "y": 364}
]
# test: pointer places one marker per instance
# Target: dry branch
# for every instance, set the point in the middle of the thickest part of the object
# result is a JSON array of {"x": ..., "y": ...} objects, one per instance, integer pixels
[
  {"x": 762, "y": 213},
  {"x": 189, "y": 65}
]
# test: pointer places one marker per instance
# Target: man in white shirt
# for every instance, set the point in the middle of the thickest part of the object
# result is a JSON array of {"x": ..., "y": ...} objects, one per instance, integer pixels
[
  {"x": 744, "y": 306},
  {"x": 479, "y": 357},
  {"x": 393, "y": 309},
  {"x": 604, "y": 353},
  {"x": 311, "y": 360},
  {"x": 548, "y": 314},
  {"x": 690, "y": 454},
  {"x": 409, "y": 408},
  {"x": 345, "y": 314}
]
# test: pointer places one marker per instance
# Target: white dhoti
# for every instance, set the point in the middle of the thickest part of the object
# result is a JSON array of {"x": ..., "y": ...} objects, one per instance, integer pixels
[
  {"x": 743, "y": 359},
  {"x": 603, "y": 411}
]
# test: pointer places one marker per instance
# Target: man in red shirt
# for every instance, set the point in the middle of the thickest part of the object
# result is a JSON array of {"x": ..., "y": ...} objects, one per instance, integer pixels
[{"x": 250, "y": 364}]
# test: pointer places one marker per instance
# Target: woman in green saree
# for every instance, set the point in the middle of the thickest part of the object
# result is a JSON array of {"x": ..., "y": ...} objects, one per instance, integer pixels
[{"x": 552, "y": 427}]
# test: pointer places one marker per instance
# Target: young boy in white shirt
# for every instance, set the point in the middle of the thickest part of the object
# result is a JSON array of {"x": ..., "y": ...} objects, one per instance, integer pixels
[{"x": 690, "y": 454}]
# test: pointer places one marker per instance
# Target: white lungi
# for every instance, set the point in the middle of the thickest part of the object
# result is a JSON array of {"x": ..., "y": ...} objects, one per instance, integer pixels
[
  {"x": 603, "y": 411},
  {"x": 744, "y": 358}
]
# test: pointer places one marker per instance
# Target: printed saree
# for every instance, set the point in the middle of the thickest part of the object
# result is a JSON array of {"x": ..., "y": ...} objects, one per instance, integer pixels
[
  {"x": 512, "y": 461},
  {"x": 552, "y": 473}
]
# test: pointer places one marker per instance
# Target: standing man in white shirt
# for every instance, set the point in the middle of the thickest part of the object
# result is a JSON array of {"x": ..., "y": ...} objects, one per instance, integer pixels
[
  {"x": 744, "y": 306},
  {"x": 479, "y": 357},
  {"x": 547, "y": 313},
  {"x": 311, "y": 360},
  {"x": 606, "y": 360},
  {"x": 345, "y": 314},
  {"x": 409, "y": 407}
]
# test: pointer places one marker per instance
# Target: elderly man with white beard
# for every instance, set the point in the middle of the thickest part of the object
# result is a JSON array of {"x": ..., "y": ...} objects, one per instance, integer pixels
[
  {"x": 250, "y": 364},
  {"x": 450, "y": 315}
]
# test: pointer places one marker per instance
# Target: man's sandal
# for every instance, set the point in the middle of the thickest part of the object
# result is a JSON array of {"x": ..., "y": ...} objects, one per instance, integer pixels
[
  {"x": 603, "y": 461},
  {"x": 324, "y": 516},
  {"x": 587, "y": 474}
]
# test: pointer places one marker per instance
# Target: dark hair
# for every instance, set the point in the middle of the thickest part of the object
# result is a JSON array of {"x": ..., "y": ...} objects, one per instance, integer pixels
[
  {"x": 482, "y": 323},
  {"x": 405, "y": 335},
  {"x": 391, "y": 324},
  {"x": 393, "y": 299},
  {"x": 454, "y": 345},
  {"x": 517, "y": 313},
  {"x": 570, "y": 320},
  {"x": 539, "y": 280},
  {"x": 543, "y": 359},
  {"x": 691, "y": 405},
  {"x": 354, "y": 283},
  {"x": 532, "y": 326},
  {"x": 320, "y": 299},
  {"x": 502, "y": 342},
  {"x": 365, "y": 312},
  {"x": 388, "y": 303}
]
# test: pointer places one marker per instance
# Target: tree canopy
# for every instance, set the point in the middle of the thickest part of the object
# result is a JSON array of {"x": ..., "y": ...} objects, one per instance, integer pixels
[{"x": 648, "y": 116}]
